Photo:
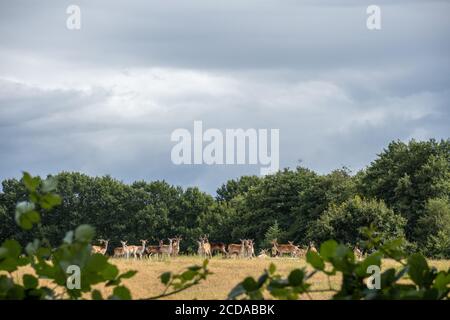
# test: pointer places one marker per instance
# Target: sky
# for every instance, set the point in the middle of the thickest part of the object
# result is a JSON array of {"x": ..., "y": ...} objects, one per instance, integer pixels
[{"x": 106, "y": 98}]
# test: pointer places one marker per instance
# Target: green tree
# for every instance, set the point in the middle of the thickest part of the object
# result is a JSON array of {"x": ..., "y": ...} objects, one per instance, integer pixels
[
  {"x": 405, "y": 176},
  {"x": 273, "y": 233},
  {"x": 433, "y": 228},
  {"x": 345, "y": 222}
]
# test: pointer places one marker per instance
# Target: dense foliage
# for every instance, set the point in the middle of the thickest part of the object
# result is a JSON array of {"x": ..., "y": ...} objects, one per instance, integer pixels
[
  {"x": 405, "y": 192},
  {"x": 53, "y": 263}
]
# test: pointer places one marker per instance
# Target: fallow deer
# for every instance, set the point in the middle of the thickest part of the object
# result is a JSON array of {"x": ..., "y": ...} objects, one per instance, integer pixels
[
  {"x": 236, "y": 249},
  {"x": 218, "y": 247},
  {"x": 140, "y": 250},
  {"x": 206, "y": 246},
  {"x": 281, "y": 249},
  {"x": 166, "y": 249}
]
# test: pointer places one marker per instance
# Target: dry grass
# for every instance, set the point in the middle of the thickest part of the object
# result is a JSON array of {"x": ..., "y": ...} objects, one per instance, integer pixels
[{"x": 227, "y": 273}]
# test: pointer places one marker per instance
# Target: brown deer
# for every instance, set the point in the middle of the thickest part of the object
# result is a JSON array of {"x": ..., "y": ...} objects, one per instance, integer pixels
[
  {"x": 166, "y": 249},
  {"x": 281, "y": 249},
  {"x": 250, "y": 249},
  {"x": 263, "y": 254},
  {"x": 176, "y": 246},
  {"x": 206, "y": 246},
  {"x": 141, "y": 249},
  {"x": 358, "y": 253},
  {"x": 100, "y": 249},
  {"x": 237, "y": 249},
  {"x": 126, "y": 250},
  {"x": 118, "y": 252},
  {"x": 218, "y": 247}
]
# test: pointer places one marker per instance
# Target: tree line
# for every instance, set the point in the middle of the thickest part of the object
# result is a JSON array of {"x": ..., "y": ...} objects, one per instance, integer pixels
[{"x": 404, "y": 192}]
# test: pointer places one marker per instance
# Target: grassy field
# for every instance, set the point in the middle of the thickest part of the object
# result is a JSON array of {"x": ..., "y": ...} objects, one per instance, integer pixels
[{"x": 227, "y": 273}]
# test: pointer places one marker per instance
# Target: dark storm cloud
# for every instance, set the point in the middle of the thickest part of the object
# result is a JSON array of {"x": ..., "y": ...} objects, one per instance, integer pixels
[{"x": 106, "y": 98}]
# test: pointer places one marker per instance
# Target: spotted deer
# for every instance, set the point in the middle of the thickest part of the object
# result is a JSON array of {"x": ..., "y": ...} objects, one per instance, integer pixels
[
  {"x": 166, "y": 249},
  {"x": 281, "y": 249},
  {"x": 206, "y": 246},
  {"x": 237, "y": 249}
]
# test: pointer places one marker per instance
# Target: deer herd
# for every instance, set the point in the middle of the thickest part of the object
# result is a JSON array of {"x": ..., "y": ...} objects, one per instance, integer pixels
[{"x": 206, "y": 249}]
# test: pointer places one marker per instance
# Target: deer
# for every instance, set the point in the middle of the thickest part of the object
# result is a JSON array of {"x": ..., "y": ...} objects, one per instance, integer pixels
[
  {"x": 151, "y": 250},
  {"x": 125, "y": 248},
  {"x": 105, "y": 248},
  {"x": 166, "y": 249},
  {"x": 218, "y": 247},
  {"x": 237, "y": 249},
  {"x": 358, "y": 253},
  {"x": 206, "y": 246},
  {"x": 118, "y": 252},
  {"x": 263, "y": 254},
  {"x": 299, "y": 252},
  {"x": 100, "y": 249},
  {"x": 312, "y": 247},
  {"x": 200, "y": 248},
  {"x": 176, "y": 246},
  {"x": 250, "y": 249},
  {"x": 140, "y": 250},
  {"x": 281, "y": 249}
]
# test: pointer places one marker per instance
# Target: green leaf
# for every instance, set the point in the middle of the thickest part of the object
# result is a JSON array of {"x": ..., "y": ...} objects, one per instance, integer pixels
[
  {"x": 122, "y": 293},
  {"x": 68, "y": 238},
  {"x": 249, "y": 284},
  {"x": 442, "y": 281},
  {"x": 418, "y": 269},
  {"x": 29, "y": 281},
  {"x": 49, "y": 184},
  {"x": 50, "y": 200},
  {"x": 84, "y": 233},
  {"x": 165, "y": 277},
  {"x": 272, "y": 268},
  {"x": 296, "y": 277},
  {"x": 96, "y": 295},
  {"x": 128, "y": 274},
  {"x": 188, "y": 275},
  {"x": 30, "y": 183},
  {"x": 26, "y": 216},
  {"x": 328, "y": 249},
  {"x": 13, "y": 248},
  {"x": 315, "y": 260},
  {"x": 236, "y": 292}
]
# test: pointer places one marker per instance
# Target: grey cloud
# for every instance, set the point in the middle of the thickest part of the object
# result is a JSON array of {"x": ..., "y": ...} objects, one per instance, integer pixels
[{"x": 105, "y": 99}]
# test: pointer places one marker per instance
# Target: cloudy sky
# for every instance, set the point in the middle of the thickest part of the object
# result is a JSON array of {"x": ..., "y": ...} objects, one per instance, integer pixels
[{"x": 105, "y": 99}]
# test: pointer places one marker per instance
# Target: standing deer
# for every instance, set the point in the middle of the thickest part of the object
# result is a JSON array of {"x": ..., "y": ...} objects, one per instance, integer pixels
[
  {"x": 250, "y": 249},
  {"x": 100, "y": 249},
  {"x": 153, "y": 250},
  {"x": 200, "y": 251},
  {"x": 126, "y": 251},
  {"x": 140, "y": 250},
  {"x": 166, "y": 249},
  {"x": 118, "y": 252},
  {"x": 237, "y": 249},
  {"x": 206, "y": 246},
  {"x": 218, "y": 247},
  {"x": 176, "y": 246}
]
